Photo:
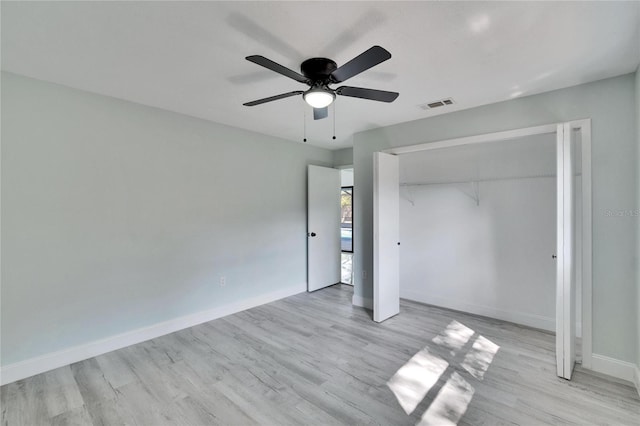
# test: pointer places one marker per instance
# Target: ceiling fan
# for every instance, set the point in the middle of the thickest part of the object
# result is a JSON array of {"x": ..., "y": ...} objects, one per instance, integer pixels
[{"x": 319, "y": 73}]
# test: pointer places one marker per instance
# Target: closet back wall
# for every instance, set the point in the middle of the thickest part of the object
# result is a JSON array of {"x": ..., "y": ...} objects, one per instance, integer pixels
[{"x": 491, "y": 258}]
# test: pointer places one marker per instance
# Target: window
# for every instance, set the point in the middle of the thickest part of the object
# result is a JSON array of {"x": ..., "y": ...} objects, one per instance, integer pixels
[
  {"x": 346, "y": 219},
  {"x": 346, "y": 233}
]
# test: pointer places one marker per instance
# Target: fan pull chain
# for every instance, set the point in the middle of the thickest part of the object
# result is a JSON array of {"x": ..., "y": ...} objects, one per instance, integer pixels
[
  {"x": 334, "y": 121},
  {"x": 304, "y": 118}
]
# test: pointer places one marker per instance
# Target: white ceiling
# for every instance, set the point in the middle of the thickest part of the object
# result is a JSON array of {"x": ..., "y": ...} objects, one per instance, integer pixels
[{"x": 188, "y": 57}]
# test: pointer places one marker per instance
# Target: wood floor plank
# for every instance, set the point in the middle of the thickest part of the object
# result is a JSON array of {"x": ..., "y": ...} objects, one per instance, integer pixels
[
  {"x": 60, "y": 392},
  {"x": 91, "y": 382},
  {"x": 108, "y": 413},
  {"x": 314, "y": 359},
  {"x": 75, "y": 417},
  {"x": 22, "y": 402},
  {"x": 116, "y": 370}
]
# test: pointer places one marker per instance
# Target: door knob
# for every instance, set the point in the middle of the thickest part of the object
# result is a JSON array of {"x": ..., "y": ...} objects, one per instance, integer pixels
[
  {"x": 553, "y": 256},
  {"x": 313, "y": 234}
]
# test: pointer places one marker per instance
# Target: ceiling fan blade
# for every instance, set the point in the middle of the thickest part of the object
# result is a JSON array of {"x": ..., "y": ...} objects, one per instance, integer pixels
[
  {"x": 362, "y": 62},
  {"x": 371, "y": 94},
  {"x": 320, "y": 113},
  {"x": 273, "y": 66},
  {"x": 273, "y": 98}
]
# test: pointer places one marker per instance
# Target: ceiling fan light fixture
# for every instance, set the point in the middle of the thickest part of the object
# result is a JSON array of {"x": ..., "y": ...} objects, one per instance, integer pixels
[{"x": 319, "y": 98}]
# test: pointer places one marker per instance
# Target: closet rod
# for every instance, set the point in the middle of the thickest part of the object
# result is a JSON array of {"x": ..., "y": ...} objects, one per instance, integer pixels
[{"x": 479, "y": 180}]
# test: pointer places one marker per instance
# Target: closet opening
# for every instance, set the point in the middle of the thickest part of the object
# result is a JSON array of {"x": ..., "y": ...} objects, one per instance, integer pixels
[{"x": 497, "y": 225}]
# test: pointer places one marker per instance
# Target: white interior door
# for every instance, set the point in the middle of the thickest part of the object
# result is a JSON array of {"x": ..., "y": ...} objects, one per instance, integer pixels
[
  {"x": 386, "y": 236},
  {"x": 566, "y": 254},
  {"x": 323, "y": 227}
]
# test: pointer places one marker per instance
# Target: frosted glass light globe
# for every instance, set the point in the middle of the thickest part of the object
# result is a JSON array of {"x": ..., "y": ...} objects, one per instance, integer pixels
[{"x": 319, "y": 98}]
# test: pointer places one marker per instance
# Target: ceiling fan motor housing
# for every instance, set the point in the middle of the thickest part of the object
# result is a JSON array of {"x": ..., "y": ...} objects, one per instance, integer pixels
[{"x": 318, "y": 70}]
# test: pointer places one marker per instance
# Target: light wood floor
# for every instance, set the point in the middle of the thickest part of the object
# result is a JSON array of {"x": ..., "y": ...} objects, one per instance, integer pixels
[{"x": 315, "y": 359}]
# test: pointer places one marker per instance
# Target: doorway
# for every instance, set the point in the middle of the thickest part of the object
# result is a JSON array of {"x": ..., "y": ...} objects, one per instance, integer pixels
[
  {"x": 323, "y": 223},
  {"x": 346, "y": 226},
  {"x": 329, "y": 226},
  {"x": 572, "y": 251}
]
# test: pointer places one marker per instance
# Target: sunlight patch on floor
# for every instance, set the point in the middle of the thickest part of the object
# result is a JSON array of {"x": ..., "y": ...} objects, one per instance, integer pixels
[
  {"x": 414, "y": 379},
  {"x": 478, "y": 359},
  {"x": 450, "y": 404},
  {"x": 454, "y": 337}
]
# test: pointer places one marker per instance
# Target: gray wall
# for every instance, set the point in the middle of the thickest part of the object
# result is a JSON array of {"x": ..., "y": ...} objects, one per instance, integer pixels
[
  {"x": 343, "y": 157},
  {"x": 610, "y": 104},
  {"x": 116, "y": 216}
]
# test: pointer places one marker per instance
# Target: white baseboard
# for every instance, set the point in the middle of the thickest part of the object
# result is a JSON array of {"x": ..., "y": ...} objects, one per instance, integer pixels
[
  {"x": 614, "y": 367},
  {"x": 362, "y": 302},
  {"x": 531, "y": 320},
  {"x": 636, "y": 379},
  {"x": 23, "y": 369}
]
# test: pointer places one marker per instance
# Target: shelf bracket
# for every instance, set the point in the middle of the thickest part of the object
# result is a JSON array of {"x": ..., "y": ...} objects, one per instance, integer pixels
[
  {"x": 473, "y": 191},
  {"x": 408, "y": 196}
]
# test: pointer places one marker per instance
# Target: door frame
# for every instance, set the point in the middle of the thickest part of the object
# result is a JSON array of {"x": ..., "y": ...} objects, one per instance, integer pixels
[
  {"x": 353, "y": 241},
  {"x": 587, "y": 270}
]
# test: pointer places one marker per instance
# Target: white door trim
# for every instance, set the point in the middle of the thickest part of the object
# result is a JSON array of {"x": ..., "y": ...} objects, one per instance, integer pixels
[
  {"x": 469, "y": 140},
  {"x": 560, "y": 263},
  {"x": 587, "y": 243},
  {"x": 587, "y": 271},
  {"x": 386, "y": 236}
]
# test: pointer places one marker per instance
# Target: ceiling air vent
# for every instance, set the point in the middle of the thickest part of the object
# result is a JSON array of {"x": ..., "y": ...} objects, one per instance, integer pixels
[{"x": 437, "y": 104}]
